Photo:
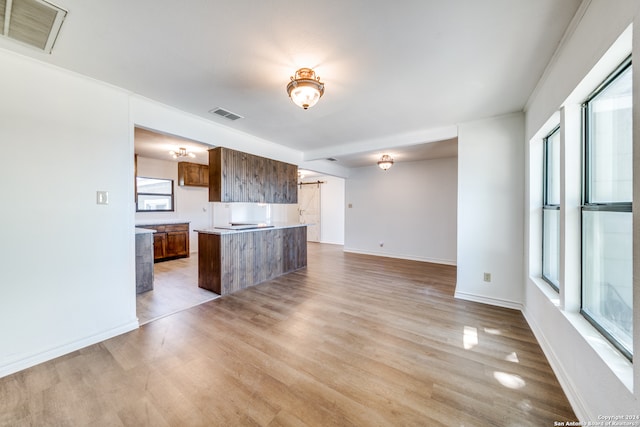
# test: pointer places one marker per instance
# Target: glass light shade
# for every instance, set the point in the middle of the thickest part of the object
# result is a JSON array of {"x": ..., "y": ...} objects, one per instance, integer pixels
[
  {"x": 385, "y": 162},
  {"x": 305, "y": 96},
  {"x": 305, "y": 89}
]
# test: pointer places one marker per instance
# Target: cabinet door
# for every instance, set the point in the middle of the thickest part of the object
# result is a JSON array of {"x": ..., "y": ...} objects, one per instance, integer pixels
[
  {"x": 242, "y": 176},
  {"x": 204, "y": 175},
  {"x": 216, "y": 190},
  {"x": 279, "y": 183},
  {"x": 159, "y": 245},
  {"x": 177, "y": 243},
  {"x": 270, "y": 180},
  {"x": 258, "y": 180},
  {"x": 235, "y": 176},
  {"x": 286, "y": 183},
  {"x": 291, "y": 192},
  {"x": 193, "y": 174}
]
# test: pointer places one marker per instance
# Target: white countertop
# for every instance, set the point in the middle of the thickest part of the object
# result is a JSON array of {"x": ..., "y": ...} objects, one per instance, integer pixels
[
  {"x": 273, "y": 226},
  {"x": 161, "y": 222}
]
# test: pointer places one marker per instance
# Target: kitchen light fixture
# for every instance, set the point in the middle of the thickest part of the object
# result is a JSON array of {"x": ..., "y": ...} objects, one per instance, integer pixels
[
  {"x": 182, "y": 152},
  {"x": 305, "y": 89},
  {"x": 385, "y": 162}
]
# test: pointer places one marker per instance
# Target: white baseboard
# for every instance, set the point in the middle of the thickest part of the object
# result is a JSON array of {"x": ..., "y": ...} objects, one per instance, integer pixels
[
  {"x": 407, "y": 257},
  {"x": 488, "y": 300},
  {"x": 327, "y": 242},
  {"x": 569, "y": 389},
  {"x": 35, "y": 359}
]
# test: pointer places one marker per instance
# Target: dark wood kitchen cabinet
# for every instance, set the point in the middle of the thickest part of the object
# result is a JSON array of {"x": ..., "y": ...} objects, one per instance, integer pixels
[
  {"x": 235, "y": 176},
  {"x": 193, "y": 174},
  {"x": 170, "y": 241}
]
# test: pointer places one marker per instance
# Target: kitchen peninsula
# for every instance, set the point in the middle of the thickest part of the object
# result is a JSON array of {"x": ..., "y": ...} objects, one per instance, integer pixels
[{"x": 237, "y": 257}]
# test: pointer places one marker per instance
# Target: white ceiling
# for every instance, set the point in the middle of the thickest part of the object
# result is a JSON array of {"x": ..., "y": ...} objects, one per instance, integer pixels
[{"x": 397, "y": 74}]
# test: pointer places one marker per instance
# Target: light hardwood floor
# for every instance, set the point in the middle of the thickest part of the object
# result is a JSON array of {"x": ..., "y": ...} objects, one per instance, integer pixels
[
  {"x": 175, "y": 288},
  {"x": 350, "y": 340}
]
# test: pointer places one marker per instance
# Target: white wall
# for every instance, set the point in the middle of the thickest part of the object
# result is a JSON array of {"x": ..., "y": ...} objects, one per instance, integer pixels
[
  {"x": 332, "y": 210},
  {"x": 491, "y": 210},
  {"x": 67, "y": 276},
  {"x": 410, "y": 208},
  {"x": 596, "y": 378},
  {"x": 191, "y": 203},
  {"x": 222, "y": 214}
]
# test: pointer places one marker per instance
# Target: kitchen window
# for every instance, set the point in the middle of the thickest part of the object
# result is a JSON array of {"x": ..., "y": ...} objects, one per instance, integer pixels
[
  {"x": 607, "y": 257},
  {"x": 154, "y": 194},
  {"x": 551, "y": 210}
]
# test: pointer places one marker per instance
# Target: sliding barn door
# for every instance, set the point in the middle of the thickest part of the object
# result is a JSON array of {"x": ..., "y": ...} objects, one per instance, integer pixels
[{"x": 309, "y": 208}]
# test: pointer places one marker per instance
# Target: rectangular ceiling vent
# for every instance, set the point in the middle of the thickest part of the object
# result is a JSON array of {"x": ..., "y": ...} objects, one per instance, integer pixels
[
  {"x": 224, "y": 113},
  {"x": 34, "y": 22}
]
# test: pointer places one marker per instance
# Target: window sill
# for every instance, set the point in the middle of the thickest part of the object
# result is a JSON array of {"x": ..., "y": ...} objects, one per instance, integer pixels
[
  {"x": 552, "y": 295},
  {"x": 619, "y": 365}
]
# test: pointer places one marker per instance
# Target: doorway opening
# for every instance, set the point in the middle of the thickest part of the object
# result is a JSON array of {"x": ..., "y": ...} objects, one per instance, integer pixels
[{"x": 174, "y": 281}]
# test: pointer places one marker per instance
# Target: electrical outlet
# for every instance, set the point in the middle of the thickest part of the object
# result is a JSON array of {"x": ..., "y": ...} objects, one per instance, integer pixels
[
  {"x": 487, "y": 277},
  {"x": 102, "y": 197}
]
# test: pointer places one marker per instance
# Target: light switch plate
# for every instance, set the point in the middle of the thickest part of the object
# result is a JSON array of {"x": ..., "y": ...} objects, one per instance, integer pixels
[{"x": 102, "y": 197}]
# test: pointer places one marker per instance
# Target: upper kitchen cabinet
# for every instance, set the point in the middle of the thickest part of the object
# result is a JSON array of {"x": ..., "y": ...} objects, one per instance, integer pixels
[
  {"x": 193, "y": 174},
  {"x": 235, "y": 176}
]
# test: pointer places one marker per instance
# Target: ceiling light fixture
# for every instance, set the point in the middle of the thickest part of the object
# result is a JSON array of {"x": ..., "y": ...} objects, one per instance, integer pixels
[
  {"x": 305, "y": 89},
  {"x": 385, "y": 162},
  {"x": 182, "y": 152}
]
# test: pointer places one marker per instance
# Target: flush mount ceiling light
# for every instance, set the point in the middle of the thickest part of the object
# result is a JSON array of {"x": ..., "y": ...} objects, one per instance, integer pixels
[
  {"x": 182, "y": 152},
  {"x": 385, "y": 162},
  {"x": 305, "y": 89}
]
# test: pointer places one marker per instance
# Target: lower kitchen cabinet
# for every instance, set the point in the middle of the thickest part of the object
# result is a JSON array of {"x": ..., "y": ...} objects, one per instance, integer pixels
[
  {"x": 144, "y": 261},
  {"x": 229, "y": 262},
  {"x": 170, "y": 241}
]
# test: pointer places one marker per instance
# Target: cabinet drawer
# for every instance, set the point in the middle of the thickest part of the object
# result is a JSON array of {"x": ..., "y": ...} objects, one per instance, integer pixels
[
  {"x": 165, "y": 228},
  {"x": 176, "y": 227}
]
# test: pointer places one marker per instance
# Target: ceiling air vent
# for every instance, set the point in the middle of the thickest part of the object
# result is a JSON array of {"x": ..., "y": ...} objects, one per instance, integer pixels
[
  {"x": 225, "y": 113},
  {"x": 34, "y": 22}
]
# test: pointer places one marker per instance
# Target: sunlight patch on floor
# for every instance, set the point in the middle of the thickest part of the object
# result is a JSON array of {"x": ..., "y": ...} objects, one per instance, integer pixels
[
  {"x": 509, "y": 380},
  {"x": 512, "y": 357},
  {"x": 470, "y": 338}
]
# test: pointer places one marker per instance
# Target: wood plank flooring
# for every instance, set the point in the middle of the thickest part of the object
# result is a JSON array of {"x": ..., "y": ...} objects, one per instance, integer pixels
[
  {"x": 175, "y": 288},
  {"x": 350, "y": 340}
]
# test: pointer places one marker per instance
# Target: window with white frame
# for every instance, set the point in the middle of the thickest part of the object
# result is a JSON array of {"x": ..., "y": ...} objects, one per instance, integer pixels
[
  {"x": 607, "y": 263},
  {"x": 551, "y": 209}
]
